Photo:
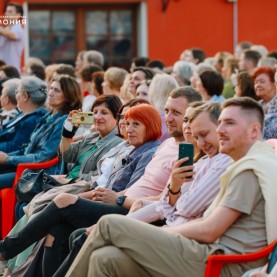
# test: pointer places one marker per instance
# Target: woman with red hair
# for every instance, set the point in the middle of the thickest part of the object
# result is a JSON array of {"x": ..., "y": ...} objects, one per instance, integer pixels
[
  {"x": 265, "y": 88},
  {"x": 264, "y": 85},
  {"x": 57, "y": 221}
]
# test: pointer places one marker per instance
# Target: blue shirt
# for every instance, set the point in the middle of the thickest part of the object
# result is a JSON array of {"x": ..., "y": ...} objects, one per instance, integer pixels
[{"x": 216, "y": 98}]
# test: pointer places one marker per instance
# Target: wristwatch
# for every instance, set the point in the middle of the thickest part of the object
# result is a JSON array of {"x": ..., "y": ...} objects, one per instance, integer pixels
[
  {"x": 173, "y": 192},
  {"x": 120, "y": 200}
]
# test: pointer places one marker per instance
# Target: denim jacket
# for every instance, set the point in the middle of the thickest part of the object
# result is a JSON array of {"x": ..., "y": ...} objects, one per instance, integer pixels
[
  {"x": 134, "y": 166},
  {"x": 17, "y": 132},
  {"x": 43, "y": 145}
]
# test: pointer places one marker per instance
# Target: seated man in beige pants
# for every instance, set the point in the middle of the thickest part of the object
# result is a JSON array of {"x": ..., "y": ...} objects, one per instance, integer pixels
[{"x": 240, "y": 220}]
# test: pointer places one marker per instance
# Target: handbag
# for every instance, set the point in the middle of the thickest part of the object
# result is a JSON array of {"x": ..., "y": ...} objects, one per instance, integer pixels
[
  {"x": 33, "y": 182},
  {"x": 42, "y": 199}
]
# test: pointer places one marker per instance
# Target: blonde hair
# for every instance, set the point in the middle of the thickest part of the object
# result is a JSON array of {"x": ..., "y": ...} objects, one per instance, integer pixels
[
  {"x": 230, "y": 64},
  {"x": 124, "y": 93},
  {"x": 160, "y": 88},
  {"x": 115, "y": 76},
  {"x": 220, "y": 57},
  {"x": 212, "y": 108},
  {"x": 49, "y": 72}
]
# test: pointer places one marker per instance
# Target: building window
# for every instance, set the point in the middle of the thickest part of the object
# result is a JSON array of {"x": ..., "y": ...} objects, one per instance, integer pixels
[
  {"x": 110, "y": 31},
  {"x": 57, "y": 34}
]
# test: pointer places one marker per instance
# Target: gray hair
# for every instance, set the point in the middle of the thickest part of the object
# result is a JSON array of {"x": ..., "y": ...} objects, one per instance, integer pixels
[
  {"x": 267, "y": 61},
  {"x": 184, "y": 70},
  {"x": 11, "y": 86},
  {"x": 202, "y": 67},
  {"x": 35, "y": 88},
  {"x": 94, "y": 57},
  {"x": 261, "y": 49}
]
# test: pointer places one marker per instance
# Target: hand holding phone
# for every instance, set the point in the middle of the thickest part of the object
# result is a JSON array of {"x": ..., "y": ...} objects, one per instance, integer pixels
[
  {"x": 179, "y": 175},
  {"x": 186, "y": 150}
]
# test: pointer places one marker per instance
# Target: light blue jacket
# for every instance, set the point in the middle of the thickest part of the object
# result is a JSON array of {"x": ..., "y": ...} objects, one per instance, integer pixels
[
  {"x": 134, "y": 166},
  {"x": 43, "y": 145}
]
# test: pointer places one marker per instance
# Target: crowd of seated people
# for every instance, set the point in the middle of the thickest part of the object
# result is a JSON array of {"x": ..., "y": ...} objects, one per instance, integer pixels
[{"x": 126, "y": 162}]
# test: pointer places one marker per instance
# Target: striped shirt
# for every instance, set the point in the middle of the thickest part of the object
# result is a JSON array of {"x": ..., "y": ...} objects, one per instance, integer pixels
[{"x": 195, "y": 197}]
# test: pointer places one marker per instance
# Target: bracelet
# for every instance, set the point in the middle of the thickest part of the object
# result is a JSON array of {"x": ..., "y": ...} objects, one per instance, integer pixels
[
  {"x": 69, "y": 130},
  {"x": 173, "y": 192}
]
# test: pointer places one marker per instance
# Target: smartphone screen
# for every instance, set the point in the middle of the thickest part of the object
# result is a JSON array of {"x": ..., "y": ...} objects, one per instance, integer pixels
[{"x": 186, "y": 150}]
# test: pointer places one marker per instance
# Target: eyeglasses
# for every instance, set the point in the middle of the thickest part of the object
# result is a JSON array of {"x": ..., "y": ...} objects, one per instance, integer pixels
[{"x": 120, "y": 117}]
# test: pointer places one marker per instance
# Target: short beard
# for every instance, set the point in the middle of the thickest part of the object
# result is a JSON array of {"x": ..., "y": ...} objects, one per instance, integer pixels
[{"x": 177, "y": 134}]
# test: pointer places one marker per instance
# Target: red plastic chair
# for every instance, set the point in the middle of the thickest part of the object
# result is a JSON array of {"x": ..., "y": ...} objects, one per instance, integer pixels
[
  {"x": 216, "y": 262},
  {"x": 8, "y": 198}
]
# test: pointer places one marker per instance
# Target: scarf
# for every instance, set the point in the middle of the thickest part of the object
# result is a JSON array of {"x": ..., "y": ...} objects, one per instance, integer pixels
[{"x": 262, "y": 160}]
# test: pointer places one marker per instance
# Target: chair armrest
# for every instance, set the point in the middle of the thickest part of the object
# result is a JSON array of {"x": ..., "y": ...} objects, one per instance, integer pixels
[
  {"x": 215, "y": 262},
  {"x": 21, "y": 167}
]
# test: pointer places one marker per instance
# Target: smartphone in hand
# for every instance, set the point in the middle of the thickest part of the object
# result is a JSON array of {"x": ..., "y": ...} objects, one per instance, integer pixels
[
  {"x": 272, "y": 260},
  {"x": 186, "y": 150},
  {"x": 82, "y": 118}
]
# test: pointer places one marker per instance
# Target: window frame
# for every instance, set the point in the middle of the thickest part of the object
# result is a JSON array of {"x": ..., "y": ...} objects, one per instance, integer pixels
[{"x": 80, "y": 27}]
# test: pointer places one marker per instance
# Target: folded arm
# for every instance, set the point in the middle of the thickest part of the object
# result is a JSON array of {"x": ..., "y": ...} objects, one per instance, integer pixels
[{"x": 208, "y": 230}]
